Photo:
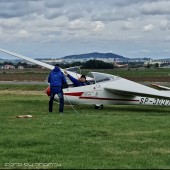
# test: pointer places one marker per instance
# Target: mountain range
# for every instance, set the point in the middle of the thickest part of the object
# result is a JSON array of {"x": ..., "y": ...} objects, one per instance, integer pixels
[{"x": 95, "y": 55}]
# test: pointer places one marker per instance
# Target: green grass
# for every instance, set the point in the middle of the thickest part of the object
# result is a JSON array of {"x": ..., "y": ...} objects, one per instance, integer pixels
[
  {"x": 115, "y": 137},
  {"x": 34, "y": 75}
]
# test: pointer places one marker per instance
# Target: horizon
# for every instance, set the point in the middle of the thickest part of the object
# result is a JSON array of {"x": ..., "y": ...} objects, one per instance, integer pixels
[
  {"x": 53, "y": 58},
  {"x": 58, "y": 28}
]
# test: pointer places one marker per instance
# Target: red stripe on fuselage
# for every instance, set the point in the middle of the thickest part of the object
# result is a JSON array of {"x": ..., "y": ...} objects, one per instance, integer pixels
[{"x": 99, "y": 98}]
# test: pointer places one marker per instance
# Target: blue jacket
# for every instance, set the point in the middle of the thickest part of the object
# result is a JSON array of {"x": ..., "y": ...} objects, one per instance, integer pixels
[
  {"x": 56, "y": 79},
  {"x": 77, "y": 82}
]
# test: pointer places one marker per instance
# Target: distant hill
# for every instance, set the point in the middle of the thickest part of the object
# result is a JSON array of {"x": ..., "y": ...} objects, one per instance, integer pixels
[{"x": 95, "y": 55}]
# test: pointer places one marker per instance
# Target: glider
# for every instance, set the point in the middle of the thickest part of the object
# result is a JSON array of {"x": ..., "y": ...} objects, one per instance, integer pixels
[{"x": 107, "y": 89}]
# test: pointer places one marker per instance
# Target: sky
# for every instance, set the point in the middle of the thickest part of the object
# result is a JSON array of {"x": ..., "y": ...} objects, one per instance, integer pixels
[{"x": 57, "y": 28}]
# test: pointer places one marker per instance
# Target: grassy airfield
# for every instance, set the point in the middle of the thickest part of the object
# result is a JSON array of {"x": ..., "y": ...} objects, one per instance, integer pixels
[
  {"x": 139, "y": 75},
  {"x": 115, "y": 137}
]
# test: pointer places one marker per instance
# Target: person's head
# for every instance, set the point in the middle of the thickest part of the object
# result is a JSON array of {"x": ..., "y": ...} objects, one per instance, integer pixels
[
  {"x": 83, "y": 78},
  {"x": 57, "y": 65},
  {"x": 56, "y": 68}
]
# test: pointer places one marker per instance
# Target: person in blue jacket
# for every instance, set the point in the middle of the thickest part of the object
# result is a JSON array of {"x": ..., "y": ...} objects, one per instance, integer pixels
[
  {"x": 57, "y": 81},
  {"x": 77, "y": 82}
]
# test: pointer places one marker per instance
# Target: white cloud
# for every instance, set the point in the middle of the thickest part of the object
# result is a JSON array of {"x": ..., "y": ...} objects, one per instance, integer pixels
[
  {"x": 164, "y": 25},
  {"x": 128, "y": 26},
  {"x": 148, "y": 28},
  {"x": 10, "y": 23},
  {"x": 23, "y": 33},
  {"x": 98, "y": 26},
  {"x": 108, "y": 25},
  {"x": 77, "y": 24}
]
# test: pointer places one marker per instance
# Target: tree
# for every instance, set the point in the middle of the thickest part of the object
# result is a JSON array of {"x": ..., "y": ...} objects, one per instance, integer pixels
[
  {"x": 148, "y": 66},
  {"x": 156, "y": 65},
  {"x": 97, "y": 64},
  {"x": 8, "y": 63}
]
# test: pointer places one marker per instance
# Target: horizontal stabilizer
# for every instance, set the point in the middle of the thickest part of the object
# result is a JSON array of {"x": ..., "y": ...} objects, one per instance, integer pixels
[
  {"x": 128, "y": 88},
  {"x": 160, "y": 87}
]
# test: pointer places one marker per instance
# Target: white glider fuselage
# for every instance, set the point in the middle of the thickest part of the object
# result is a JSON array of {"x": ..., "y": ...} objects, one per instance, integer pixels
[{"x": 97, "y": 95}]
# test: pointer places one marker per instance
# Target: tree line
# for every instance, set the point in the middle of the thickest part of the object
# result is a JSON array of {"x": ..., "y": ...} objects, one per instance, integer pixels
[{"x": 91, "y": 64}]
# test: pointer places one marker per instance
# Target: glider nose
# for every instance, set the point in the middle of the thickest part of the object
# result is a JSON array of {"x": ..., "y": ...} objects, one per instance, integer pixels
[{"x": 48, "y": 91}]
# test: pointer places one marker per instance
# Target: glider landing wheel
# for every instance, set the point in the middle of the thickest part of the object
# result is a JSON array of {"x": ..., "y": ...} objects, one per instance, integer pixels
[{"x": 99, "y": 107}]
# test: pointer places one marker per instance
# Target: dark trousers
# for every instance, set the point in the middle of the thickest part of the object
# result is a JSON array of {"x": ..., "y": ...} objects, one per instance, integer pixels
[{"x": 61, "y": 100}]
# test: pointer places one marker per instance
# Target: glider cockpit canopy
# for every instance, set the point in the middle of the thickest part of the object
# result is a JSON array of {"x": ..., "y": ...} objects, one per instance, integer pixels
[{"x": 97, "y": 77}]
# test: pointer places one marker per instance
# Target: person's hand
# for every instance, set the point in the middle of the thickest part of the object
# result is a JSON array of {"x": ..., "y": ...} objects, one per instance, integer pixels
[{"x": 65, "y": 72}]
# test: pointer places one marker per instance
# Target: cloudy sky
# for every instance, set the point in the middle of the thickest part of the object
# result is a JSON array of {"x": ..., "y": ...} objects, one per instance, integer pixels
[{"x": 56, "y": 28}]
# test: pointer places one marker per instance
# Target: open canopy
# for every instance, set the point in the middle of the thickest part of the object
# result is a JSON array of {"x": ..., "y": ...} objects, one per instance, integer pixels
[{"x": 101, "y": 77}]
